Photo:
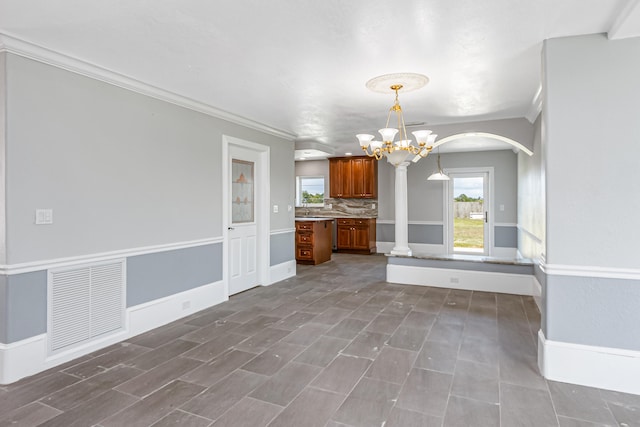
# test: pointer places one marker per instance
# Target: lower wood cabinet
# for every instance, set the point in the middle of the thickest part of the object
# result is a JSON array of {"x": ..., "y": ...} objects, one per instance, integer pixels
[
  {"x": 313, "y": 241},
  {"x": 356, "y": 235}
]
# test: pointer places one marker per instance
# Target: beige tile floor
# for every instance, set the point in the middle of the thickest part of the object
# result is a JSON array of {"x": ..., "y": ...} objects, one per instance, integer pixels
[{"x": 334, "y": 346}]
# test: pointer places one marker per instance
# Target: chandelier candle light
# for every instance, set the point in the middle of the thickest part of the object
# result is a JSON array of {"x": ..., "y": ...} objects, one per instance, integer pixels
[{"x": 398, "y": 153}]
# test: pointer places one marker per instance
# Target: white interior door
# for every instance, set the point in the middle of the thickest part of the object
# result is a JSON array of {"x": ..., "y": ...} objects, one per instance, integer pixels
[{"x": 244, "y": 167}]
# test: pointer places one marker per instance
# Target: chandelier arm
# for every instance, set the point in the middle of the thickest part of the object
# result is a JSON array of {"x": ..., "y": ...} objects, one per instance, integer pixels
[{"x": 366, "y": 151}]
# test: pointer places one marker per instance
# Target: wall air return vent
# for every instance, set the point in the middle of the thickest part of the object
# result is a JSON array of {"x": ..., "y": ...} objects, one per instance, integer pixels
[{"x": 85, "y": 303}]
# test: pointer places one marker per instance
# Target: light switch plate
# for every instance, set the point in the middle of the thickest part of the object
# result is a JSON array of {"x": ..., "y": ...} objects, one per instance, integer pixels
[{"x": 275, "y": 208}]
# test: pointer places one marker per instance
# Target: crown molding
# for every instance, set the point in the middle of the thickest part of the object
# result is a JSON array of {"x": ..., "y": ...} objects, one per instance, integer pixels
[
  {"x": 536, "y": 106},
  {"x": 626, "y": 23},
  {"x": 17, "y": 46}
]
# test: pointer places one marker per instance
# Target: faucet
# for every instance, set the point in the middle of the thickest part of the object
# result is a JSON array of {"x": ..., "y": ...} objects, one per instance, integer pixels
[{"x": 306, "y": 208}]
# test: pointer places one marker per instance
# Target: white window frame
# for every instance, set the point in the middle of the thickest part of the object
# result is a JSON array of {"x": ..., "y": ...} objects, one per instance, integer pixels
[{"x": 299, "y": 180}]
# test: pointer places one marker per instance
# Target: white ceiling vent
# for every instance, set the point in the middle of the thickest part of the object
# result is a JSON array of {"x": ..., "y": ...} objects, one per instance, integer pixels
[{"x": 85, "y": 303}]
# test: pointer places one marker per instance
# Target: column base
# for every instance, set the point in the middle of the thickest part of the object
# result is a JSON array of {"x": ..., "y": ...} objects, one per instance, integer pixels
[{"x": 401, "y": 251}]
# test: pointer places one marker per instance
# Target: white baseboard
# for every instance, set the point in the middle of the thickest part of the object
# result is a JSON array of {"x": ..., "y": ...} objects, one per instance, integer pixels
[
  {"x": 601, "y": 367},
  {"x": 22, "y": 358},
  {"x": 519, "y": 284},
  {"x": 30, "y": 356},
  {"x": 537, "y": 292},
  {"x": 282, "y": 271},
  {"x": 144, "y": 317}
]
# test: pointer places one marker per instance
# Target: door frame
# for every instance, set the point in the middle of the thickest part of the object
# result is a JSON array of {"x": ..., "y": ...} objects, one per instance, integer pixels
[
  {"x": 488, "y": 204},
  {"x": 262, "y": 201}
]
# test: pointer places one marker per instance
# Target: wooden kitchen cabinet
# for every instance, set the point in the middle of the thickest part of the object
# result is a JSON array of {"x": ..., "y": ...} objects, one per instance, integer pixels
[
  {"x": 353, "y": 177},
  {"x": 356, "y": 235},
  {"x": 339, "y": 177},
  {"x": 313, "y": 241}
]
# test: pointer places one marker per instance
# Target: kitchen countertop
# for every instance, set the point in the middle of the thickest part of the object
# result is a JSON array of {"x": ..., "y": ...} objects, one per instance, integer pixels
[{"x": 313, "y": 218}]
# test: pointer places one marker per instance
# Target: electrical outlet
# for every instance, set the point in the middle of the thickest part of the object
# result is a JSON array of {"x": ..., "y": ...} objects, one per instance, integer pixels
[
  {"x": 275, "y": 208},
  {"x": 373, "y": 205},
  {"x": 44, "y": 216}
]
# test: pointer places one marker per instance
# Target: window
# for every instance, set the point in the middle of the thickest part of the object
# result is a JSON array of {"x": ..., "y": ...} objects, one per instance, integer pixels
[{"x": 310, "y": 191}]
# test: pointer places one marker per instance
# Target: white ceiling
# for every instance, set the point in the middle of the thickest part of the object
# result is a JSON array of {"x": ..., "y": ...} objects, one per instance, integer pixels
[{"x": 300, "y": 66}]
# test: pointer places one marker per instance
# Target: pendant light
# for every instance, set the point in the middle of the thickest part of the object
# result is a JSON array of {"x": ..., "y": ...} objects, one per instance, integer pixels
[{"x": 439, "y": 175}]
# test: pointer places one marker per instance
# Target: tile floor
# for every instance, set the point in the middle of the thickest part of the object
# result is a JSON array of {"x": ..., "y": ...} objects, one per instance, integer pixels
[{"x": 334, "y": 346}]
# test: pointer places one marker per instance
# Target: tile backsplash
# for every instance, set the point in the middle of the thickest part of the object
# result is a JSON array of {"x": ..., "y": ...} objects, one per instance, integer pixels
[{"x": 342, "y": 208}]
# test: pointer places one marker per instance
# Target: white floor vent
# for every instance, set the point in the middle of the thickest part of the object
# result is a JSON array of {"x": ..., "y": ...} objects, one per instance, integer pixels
[{"x": 85, "y": 303}]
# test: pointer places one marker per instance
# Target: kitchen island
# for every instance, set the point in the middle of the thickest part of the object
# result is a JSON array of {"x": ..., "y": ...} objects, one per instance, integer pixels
[{"x": 313, "y": 240}]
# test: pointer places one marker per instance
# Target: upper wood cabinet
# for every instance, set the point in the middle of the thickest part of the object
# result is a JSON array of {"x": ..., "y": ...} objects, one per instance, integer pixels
[
  {"x": 353, "y": 177},
  {"x": 340, "y": 178}
]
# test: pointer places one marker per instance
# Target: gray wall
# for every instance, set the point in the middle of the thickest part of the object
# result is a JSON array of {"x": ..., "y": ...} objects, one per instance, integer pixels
[
  {"x": 426, "y": 198},
  {"x": 591, "y": 131},
  {"x": 314, "y": 168},
  {"x": 23, "y": 306},
  {"x": 593, "y": 311},
  {"x": 3, "y": 96},
  {"x": 119, "y": 169},
  {"x": 161, "y": 274},
  {"x": 531, "y": 199},
  {"x": 430, "y": 234},
  {"x": 592, "y": 151},
  {"x": 282, "y": 247}
]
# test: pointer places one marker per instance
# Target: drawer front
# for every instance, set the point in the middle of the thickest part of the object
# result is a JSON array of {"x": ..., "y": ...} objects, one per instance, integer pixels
[
  {"x": 304, "y": 238},
  {"x": 308, "y": 226},
  {"x": 361, "y": 222},
  {"x": 345, "y": 221},
  {"x": 304, "y": 253}
]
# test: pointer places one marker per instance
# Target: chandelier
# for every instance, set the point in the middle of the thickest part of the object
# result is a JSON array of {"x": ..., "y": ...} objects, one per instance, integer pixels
[{"x": 399, "y": 151}]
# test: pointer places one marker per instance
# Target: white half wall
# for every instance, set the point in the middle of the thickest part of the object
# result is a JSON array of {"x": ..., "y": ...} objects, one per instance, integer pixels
[{"x": 518, "y": 284}]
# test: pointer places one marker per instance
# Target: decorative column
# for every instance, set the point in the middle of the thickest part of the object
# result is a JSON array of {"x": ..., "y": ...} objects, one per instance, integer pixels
[{"x": 402, "y": 222}]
